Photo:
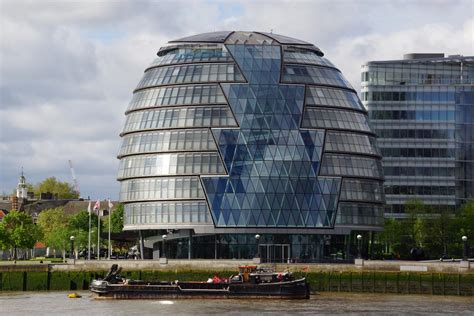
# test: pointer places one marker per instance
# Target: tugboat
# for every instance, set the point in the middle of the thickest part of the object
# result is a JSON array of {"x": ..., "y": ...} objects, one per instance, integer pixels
[{"x": 250, "y": 282}]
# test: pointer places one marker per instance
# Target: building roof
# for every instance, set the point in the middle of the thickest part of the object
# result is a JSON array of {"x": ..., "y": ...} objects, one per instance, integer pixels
[
  {"x": 424, "y": 59},
  {"x": 71, "y": 207},
  {"x": 229, "y": 37}
]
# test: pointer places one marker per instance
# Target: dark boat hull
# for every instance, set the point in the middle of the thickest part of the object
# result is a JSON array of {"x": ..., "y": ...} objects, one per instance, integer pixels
[{"x": 296, "y": 289}]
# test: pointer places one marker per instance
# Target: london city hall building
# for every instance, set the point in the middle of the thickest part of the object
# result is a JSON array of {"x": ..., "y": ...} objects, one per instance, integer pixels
[{"x": 234, "y": 135}]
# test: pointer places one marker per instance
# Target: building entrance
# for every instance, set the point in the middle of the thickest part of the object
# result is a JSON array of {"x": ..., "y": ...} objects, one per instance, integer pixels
[{"x": 279, "y": 253}]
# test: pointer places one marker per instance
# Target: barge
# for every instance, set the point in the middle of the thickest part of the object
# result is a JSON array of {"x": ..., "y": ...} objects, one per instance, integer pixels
[{"x": 250, "y": 282}]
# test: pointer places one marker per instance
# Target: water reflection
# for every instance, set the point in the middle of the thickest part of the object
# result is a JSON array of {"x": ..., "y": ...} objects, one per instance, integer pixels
[{"x": 57, "y": 303}]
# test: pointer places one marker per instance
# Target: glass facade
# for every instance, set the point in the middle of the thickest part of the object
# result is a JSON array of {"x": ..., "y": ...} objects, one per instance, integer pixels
[
  {"x": 248, "y": 132},
  {"x": 422, "y": 112}
]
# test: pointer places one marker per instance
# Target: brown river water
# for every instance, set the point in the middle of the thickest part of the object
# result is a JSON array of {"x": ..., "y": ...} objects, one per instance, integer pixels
[{"x": 57, "y": 303}]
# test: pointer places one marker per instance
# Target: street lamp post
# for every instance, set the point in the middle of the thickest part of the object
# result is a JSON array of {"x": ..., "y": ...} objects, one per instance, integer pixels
[
  {"x": 257, "y": 237},
  {"x": 71, "y": 256},
  {"x": 164, "y": 245},
  {"x": 464, "y": 252},
  {"x": 359, "y": 240}
]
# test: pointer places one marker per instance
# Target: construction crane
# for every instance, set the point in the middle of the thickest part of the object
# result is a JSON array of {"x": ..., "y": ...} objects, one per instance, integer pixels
[{"x": 76, "y": 184}]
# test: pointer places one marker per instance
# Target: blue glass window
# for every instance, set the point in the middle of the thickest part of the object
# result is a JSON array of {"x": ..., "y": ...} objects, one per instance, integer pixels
[
  {"x": 179, "y": 118},
  {"x": 340, "y": 165},
  {"x": 190, "y": 74},
  {"x": 180, "y": 95},
  {"x": 170, "y": 164},
  {"x": 191, "y": 54},
  {"x": 338, "y": 119},
  {"x": 163, "y": 141},
  {"x": 314, "y": 75},
  {"x": 165, "y": 213},
  {"x": 180, "y": 188}
]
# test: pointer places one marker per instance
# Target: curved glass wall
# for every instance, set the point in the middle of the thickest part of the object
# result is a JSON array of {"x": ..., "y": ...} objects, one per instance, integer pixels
[
  {"x": 170, "y": 164},
  {"x": 350, "y": 143},
  {"x": 180, "y": 188},
  {"x": 303, "y": 56},
  {"x": 338, "y": 119},
  {"x": 360, "y": 214},
  {"x": 189, "y": 54},
  {"x": 346, "y": 165},
  {"x": 246, "y": 133},
  {"x": 178, "y": 213},
  {"x": 190, "y": 74},
  {"x": 314, "y": 75},
  {"x": 362, "y": 190},
  {"x": 179, "y": 118},
  {"x": 332, "y": 97},
  {"x": 163, "y": 141},
  {"x": 180, "y": 95}
]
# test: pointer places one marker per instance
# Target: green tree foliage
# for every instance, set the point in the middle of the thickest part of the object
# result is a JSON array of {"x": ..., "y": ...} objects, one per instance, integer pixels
[
  {"x": 18, "y": 232},
  {"x": 116, "y": 220},
  {"x": 437, "y": 232},
  {"x": 64, "y": 190},
  {"x": 464, "y": 222},
  {"x": 79, "y": 224},
  {"x": 80, "y": 221},
  {"x": 54, "y": 224}
]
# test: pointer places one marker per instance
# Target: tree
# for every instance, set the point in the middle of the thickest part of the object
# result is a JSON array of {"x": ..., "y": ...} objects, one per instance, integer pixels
[
  {"x": 80, "y": 221},
  {"x": 64, "y": 190},
  {"x": 464, "y": 223},
  {"x": 55, "y": 226},
  {"x": 18, "y": 231},
  {"x": 79, "y": 224},
  {"x": 416, "y": 221},
  {"x": 116, "y": 220}
]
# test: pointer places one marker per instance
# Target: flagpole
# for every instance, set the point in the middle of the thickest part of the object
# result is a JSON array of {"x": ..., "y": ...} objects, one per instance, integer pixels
[
  {"x": 98, "y": 234},
  {"x": 110, "y": 215},
  {"x": 89, "y": 242}
]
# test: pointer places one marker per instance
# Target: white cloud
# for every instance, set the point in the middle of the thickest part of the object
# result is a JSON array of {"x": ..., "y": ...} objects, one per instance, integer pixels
[{"x": 68, "y": 69}]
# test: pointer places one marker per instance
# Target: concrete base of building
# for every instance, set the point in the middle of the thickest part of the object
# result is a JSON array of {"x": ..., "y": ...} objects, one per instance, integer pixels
[
  {"x": 359, "y": 262},
  {"x": 464, "y": 265},
  {"x": 163, "y": 260}
]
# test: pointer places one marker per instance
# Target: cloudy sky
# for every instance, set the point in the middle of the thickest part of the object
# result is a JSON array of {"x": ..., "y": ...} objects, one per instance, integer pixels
[{"x": 68, "y": 68}]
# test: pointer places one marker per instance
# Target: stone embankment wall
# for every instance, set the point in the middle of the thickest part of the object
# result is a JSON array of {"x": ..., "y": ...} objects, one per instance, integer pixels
[{"x": 374, "y": 277}]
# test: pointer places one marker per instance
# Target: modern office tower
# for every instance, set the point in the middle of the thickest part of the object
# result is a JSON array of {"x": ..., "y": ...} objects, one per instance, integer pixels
[
  {"x": 422, "y": 110},
  {"x": 239, "y": 143}
]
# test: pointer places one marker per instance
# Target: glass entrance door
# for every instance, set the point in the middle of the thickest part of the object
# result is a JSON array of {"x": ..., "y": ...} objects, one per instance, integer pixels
[{"x": 278, "y": 253}]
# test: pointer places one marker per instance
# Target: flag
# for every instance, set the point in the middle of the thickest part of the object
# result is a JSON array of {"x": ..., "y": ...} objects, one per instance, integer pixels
[
  {"x": 89, "y": 209},
  {"x": 96, "y": 206},
  {"x": 110, "y": 204}
]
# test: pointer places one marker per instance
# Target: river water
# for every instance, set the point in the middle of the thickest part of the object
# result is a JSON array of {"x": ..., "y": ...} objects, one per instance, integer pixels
[{"x": 57, "y": 303}]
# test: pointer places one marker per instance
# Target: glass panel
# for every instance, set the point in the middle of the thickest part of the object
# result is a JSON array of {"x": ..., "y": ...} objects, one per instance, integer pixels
[
  {"x": 314, "y": 75},
  {"x": 326, "y": 118},
  {"x": 332, "y": 97},
  {"x": 179, "y": 118},
  {"x": 345, "y": 165},
  {"x": 350, "y": 142},
  {"x": 360, "y": 214},
  {"x": 183, "y": 55},
  {"x": 303, "y": 56},
  {"x": 362, "y": 190},
  {"x": 190, "y": 74},
  {"x": 163, "y": 141},
  {"x": 180, "y": 95},
  {"x": 161, "y": 189},
  {"x": 170, "y": 164},
  {"x": 167, "y": 213}
]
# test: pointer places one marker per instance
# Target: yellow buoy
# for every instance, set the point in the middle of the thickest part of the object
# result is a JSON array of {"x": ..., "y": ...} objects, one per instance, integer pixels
[{"x": 73, "y": 295}]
